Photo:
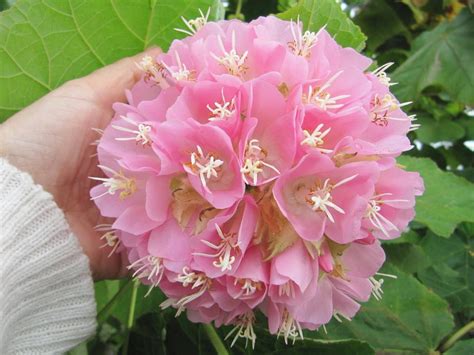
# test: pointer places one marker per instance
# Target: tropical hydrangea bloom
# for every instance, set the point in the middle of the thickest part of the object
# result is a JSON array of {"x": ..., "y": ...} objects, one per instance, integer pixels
[{"x": 253, "y": 169}]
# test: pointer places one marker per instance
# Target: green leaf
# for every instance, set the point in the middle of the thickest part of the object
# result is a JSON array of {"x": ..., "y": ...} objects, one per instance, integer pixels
[
  {"x": 81, "y": 349},
  {"x": 380, "y": 23},
  {"x": 441, "y": 57},
  {"x": 316, "y": 13},
  {"x": 409, "y": 318},
  {"x": 314, "y": 346},
  {"x": 104, "y": 292},
  {"x": 448, "y": 199},
  {"x": 408, "y": 257},
  {"x": 464, "y": 347},
  {"x": 438, "y": 130},
  {"x": 451, "y": 274},
  {"x": 45, "y": 43}
]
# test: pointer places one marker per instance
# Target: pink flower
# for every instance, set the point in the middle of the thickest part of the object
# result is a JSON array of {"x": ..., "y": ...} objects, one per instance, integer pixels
[
  {"x": 206, "y": 154},
  {"x": 253, "y": 168},
  {"x": 317, "y": 197}
]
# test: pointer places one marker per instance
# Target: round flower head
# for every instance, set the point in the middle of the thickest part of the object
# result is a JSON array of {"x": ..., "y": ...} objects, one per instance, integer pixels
[{"x": 253, "y": 169}]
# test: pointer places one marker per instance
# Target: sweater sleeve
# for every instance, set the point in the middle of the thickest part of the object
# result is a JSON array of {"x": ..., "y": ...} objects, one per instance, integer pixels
[{"x": 47, "y": 303}]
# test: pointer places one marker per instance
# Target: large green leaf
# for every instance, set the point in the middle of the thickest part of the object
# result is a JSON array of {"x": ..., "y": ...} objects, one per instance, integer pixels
[
  {"x": 45, "y": 43},
  {"x": 465, "y": 347},
  {"x": 448, "y": 199},
  {"x": 316, "y": 13},
  {"x": 444, "y": 129},
  {"x": 409, "y": 318},
  {"x": 441, "y": 57},
  {"x": 407, "y": 256},
  {"x": 451, "y": 274},
  {"x": 380, "y": 23},
  {"x": 312, "y": 346}
]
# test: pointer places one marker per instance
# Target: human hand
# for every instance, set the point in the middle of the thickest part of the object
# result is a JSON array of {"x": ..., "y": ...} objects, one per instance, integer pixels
[{"x": 51, "y": 140}]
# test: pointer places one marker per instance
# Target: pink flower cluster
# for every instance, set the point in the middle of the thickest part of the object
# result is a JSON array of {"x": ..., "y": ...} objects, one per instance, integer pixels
[{"x": 253, "y": 168}]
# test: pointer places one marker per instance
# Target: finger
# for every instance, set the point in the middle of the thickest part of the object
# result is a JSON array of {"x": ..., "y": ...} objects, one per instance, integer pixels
[{"x": 109, "y": 82}]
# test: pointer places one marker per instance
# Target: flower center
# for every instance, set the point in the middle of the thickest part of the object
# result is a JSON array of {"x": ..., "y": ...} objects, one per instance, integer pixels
[
  {"x": 302, "y": 42},
  {"x": 141, "y": 133},
  {"x": 248, "y": 287},
  {"x": 222, "y": 111},
  {"x": 319, "y": 96},
  {"x": 224, "y": 249},
  {"x": 316, "y": 138},
  {"x": 197, "y": 281},
  {"x": 196, "y": 24},
  {"x": 381, "y": 107},
  {"x": 244, "y": 329},
  {"x": 153, "y": 71},
  {"x": 182, "y": 73},
  {"x": 375, "y": 216},
  {"x": 289, "y": 327},
  {"x": 207, "y": 166},
  {"x": 233, "y": 62},
  {"x": 319, "y": 197},
  {"x": 254, "y": 162},
  {"x": 119, "y": 182},
  {"x": 286, "y": 289}
]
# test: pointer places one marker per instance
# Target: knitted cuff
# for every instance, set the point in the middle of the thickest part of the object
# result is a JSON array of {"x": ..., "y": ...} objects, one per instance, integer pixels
[{"x": 47, "y": 300}]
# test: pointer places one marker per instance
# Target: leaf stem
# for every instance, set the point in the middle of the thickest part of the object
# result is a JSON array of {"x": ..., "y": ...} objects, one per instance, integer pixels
[
  {"x": 238, "y": 8},
  {"x": 131, "y": 314},
  {"x": 215, "y": 339},
  {"x": 457, "y": 335}
]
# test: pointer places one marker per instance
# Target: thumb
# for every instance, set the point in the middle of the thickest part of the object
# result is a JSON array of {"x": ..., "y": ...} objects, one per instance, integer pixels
[{"x": 108, "y": 83}]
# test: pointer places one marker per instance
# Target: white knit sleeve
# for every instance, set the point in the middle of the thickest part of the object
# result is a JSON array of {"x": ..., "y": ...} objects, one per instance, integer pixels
[{"x": 47, "y": 303}]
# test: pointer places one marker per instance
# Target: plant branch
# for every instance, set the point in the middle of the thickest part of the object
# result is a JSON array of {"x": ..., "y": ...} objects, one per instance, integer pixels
[
  {"x": 457, "y": 335},
  {"x": 215, "y": 339},
  {"x": 238, "y": 9}
]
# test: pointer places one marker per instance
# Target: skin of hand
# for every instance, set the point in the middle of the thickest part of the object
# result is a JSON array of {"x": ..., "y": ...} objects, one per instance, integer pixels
[{"x": 51, "y": 140}]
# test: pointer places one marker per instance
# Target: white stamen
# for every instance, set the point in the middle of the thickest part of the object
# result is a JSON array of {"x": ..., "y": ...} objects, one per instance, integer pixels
[
  {"x": 207, "y": 166},
  {"x": 244, "y": 329},
  {"x": 150, "y": 267},
  {"x": 196, "y": 24},
  {"x": 233, "y": 62},
  {"x": 382, "y": 75},
  {"x": 316, "y": 139},
  {"x": 290, "y": 327},
  {"x": 286, "y": 289},
  {"x": 187, "y": 278},
  {"x": 224, "y": 250},
  {"x": 413, "y": 126},
  {"x": 319, "y": 96},
  {"x": 152, "y": 69},
  {"x": 140, "y": 135},
  {"x": 303, "y": 42},
  {"x": 248, "y": 288},
  {"x": 375, "y": 216},
  {"x": 222, "y": 111},
  {"x": 254, "y": 162},
  {"x": 377, "y": 291},
  {"x": 110, "y": 236},
  {"x": 118, "y": 182},
  {"x": 183, "y": 73},
  {"x": 320, "y": 198},
  {"x": 382, "y": 107}
]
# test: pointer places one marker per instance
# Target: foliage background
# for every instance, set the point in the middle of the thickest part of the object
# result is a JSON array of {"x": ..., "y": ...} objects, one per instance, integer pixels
[{"x": 429, "y": 309}]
